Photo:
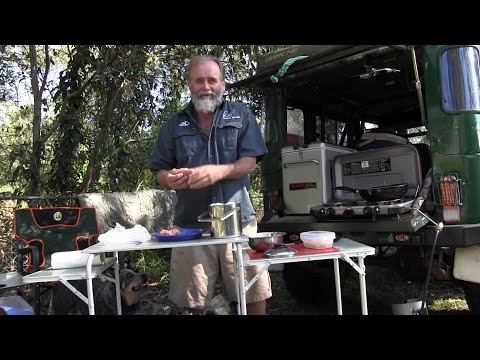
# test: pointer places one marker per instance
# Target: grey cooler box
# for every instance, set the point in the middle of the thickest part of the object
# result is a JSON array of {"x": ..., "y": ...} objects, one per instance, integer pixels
[{"x": 307, "y": 175}]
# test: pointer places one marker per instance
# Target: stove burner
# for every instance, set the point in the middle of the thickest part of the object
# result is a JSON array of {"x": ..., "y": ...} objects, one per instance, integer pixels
[
  {"x": 348, "y": 203},
  {"x": 361, "y": 209},
  {"x": 341, "y": 203},
  {"x": 389, "y": 202}
]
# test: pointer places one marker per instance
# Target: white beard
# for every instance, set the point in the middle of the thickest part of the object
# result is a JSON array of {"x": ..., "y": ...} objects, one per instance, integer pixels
[{"x": 207, "y": 105}]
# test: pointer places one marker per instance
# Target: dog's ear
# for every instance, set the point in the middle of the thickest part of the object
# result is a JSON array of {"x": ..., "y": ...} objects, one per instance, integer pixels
[
  {"x": 110, "y": 272},
  {"x": 130, "y": 263}
]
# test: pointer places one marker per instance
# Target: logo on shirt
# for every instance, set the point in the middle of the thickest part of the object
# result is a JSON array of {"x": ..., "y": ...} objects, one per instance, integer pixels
[
  {"x": 231, "y": 115},
  {"x": 184, "y": 123}
]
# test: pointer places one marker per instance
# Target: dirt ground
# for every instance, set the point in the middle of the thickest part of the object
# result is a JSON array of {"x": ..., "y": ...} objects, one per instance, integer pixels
[{"x": 384, "y": 288}]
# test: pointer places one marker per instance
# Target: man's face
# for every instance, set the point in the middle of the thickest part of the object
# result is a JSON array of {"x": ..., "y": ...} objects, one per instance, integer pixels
[{"x": 206, "y": 86}]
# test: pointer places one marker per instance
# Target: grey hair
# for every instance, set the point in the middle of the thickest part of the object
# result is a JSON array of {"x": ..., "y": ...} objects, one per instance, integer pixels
[{"x": 201, "y": 59}]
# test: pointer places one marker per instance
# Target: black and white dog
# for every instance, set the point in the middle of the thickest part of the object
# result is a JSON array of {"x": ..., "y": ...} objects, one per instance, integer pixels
[{"x": 65, "y": 302}]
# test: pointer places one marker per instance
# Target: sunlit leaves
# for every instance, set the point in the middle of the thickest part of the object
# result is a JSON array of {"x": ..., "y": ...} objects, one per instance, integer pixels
[{"x": 103, "y": 107}]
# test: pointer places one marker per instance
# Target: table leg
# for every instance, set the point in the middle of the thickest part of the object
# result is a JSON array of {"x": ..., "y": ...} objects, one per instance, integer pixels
[
  {"x": 117, "y": 284},
  {"x": 338, "y": 289},
  {"x": 237, "y": 282},
  {"x": 363, "y": 286},
  {"x": 91, "y": 304},
  {"x": 241, "y": 280}
]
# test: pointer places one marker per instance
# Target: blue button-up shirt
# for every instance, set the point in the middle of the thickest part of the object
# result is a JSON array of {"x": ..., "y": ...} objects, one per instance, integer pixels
[{"x": 182, "y": 143}]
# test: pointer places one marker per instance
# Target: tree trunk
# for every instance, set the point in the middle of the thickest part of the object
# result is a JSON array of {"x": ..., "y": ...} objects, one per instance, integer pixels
[
  {"x": 92, "y": 173},
  {"x": 35, "y": 164}
]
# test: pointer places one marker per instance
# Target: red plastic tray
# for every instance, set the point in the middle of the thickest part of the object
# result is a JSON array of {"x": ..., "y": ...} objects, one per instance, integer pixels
[{"x": 301, "y": 250}]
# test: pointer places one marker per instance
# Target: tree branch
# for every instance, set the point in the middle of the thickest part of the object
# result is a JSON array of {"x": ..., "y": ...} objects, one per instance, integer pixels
[
  {"x": 47, "y": 70},
  {"x": 67, "y": 98}
]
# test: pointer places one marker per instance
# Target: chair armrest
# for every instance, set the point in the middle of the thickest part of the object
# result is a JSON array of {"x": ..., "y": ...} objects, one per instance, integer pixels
[{"x": 24, "y": 250}]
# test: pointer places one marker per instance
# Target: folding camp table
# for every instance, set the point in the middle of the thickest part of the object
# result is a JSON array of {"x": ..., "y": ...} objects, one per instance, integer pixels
[
  {"x": 343, "y": 249},
  {"x": 153, "y": 243}
]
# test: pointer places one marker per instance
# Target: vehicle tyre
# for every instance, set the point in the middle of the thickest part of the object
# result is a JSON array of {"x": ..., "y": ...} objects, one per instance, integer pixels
[
  {"x": 313, "y": 282},
  {"x": 411, "y": 264},
  {"x": 472, "y": 295}
]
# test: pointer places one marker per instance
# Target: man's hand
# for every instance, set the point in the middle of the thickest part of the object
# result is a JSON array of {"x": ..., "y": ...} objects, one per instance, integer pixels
[
  {"x": 177, "y": 178},
  {"x": 205, "y": 175}
]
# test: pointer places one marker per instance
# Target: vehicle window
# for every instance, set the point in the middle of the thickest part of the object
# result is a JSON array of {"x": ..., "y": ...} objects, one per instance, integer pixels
[
  {"x": 418, "y": 135},
  {"x": 295, "y": 127},
  {"x": 369, "y": 126},
  {"x": 333, "y": 131},
  {"x": 459, "y": 69},
  {"x": 262, "y": 122}
]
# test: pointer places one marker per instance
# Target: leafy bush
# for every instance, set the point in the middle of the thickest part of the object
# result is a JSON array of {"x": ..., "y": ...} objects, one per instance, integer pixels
[{"x": 155, "y": 263}]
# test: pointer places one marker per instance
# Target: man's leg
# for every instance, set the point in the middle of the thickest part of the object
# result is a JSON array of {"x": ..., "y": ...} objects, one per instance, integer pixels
[
  {"x": 190, "y": 267},
  {"x": 260, "y": 291},
  {"x": 257, "y": 308}
]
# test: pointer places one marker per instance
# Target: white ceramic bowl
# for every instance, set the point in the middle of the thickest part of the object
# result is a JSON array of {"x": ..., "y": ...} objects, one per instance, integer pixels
[{"x": 317, "y": 239}]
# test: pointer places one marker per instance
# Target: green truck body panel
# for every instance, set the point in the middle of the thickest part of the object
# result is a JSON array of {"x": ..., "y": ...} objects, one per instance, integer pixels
[{"x": 454, "y": 137}]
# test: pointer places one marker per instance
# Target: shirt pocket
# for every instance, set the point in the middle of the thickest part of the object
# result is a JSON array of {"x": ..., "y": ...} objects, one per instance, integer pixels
[
  {"x": 185, "y": 144},
  {"x": 229, "y": 133}
]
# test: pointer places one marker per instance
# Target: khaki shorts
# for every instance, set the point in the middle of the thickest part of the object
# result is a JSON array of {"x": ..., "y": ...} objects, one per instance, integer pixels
[{"x": 194, "y": 272}]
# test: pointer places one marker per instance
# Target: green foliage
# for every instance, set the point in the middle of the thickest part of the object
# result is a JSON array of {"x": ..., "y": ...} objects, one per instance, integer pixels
[
  {"x": 15, "y": 148},
  {"x": 13, "y": 66},
  {"x": 155, "y": 263},
  {"x": 102, "y": 108},
  {"x": 256, "y": 192}
]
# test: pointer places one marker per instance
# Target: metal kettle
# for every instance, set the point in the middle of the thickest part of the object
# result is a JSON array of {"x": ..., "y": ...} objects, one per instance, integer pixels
[{"x": 225, "y": 219}]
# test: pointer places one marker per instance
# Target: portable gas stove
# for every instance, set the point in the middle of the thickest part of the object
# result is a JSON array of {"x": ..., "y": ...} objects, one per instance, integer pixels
[{"x": 360, "y": 209}]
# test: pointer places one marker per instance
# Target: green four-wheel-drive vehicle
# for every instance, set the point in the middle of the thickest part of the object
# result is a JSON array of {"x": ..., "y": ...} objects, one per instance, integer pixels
[{"x": 379, "y": 143}]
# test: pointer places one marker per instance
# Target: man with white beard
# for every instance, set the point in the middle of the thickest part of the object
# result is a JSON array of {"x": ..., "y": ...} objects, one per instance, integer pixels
[{"x": 206, "y": 153}]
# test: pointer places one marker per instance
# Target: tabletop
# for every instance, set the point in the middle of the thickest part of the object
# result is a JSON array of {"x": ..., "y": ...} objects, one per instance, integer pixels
[
  {"x": 346, "y": 247},
  {"x": 153, "y": 243}
]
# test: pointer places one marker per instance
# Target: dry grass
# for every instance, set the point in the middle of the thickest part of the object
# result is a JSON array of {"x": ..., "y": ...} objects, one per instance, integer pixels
[{"x": 449, "y": 305}]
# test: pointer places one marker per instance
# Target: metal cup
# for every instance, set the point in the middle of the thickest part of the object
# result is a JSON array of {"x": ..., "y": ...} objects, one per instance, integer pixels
[
  {"x": 218, "y": 228},
  {"x": 233, "y": 223},
  {"x": 225, "y": 218}
]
